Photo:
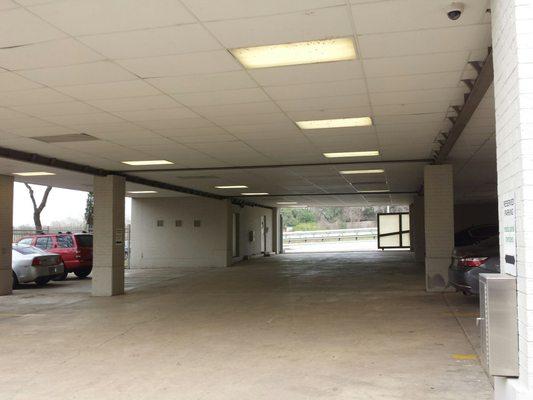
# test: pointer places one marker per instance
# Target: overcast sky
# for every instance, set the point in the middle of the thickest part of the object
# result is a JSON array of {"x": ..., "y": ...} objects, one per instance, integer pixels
[{"x": 62, "y": 205}]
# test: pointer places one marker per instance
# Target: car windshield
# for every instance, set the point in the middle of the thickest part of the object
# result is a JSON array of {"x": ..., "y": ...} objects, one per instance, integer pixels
[
  {"x": 27, "y": 250},
  {"x": 84, "y": 240}
]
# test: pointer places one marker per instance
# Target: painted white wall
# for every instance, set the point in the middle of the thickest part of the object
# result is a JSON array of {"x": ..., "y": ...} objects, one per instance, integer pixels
[
  {"x": 250, "y": 220},
  {"x": 187, "y": 245}
]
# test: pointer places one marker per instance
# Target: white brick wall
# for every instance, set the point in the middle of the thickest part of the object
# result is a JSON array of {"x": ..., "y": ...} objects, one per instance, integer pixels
[
  {"x": 108, "y": 258},
  {"x": 512, "y": 37},
  {"x": 6, "y": 233},
  {"x": 438, "y": 223}
]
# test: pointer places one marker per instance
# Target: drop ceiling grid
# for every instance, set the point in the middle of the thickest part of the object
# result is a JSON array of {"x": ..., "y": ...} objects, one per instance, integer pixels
[{"x": 328, "y": 105}]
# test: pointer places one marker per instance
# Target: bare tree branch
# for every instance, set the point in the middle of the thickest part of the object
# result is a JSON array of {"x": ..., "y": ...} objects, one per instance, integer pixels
[
  {"x": 45, "y": 198},
  {"x": 31, "y": 196}
]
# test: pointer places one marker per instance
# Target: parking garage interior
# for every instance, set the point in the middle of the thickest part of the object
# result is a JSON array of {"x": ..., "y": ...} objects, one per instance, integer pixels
[{"x": 152, "y": 100}]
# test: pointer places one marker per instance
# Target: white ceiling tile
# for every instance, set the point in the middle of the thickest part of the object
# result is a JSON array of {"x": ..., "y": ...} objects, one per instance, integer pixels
[
  {"x": 303, "y": 91},
  {"x": 44, "y": 110},
  {"x": 80, "y": 17},
  {"x": 409, "y": 119},
  {"x": 110, "y": 90},
  {"x": 326, "y": 102},
  {"x": 135, "y": 103},
  {"x": 410, "y": 15},
  {"x": 157, "y": 114},
  {"x": 249, "y": 95},
  {"x": 6, "y": 113},
  {"x": 416, "y": 64},
  {"x": 181, "y": 64},
  {"x": 414, "y": 82},
  {"x": 10, "y": 81},
  {"x": 411, "y": 108},
  {"x": 33, "y": 96},
  {"x": 205, "y": 139},
  {"x": 310, "y": 73},
  {"x": 201, "y": 131},
  {"x": 414, "y": 96},
  {"x": 47, "y": 54},
  {"x": 425, "y": 41},
  {"x": 19, "y": 27},
  {"x": 181, "y": 123},
  {"x": 285, "y": 28},
  {"x": 236, "y": 109},
  {"x": 83, "y": 119},
  {"x": 153, "y": 42},
  {"x": 81, "y": 74},
  {"x": 251, "y": 119},
  {"x": 204, "y": 83},
  {"x": 207, "y": 10}
]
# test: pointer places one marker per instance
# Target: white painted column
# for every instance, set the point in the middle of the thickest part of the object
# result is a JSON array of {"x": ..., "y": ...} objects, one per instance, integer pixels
[
  {"x": 438, "y": 222},
  {"x": 108, "y": 258},
  {"x": 417, "y": 228},
  {"x": 275, "y": 230},
  {"x": 512, "y": 38},
  {"x": 6, "y": 233}
]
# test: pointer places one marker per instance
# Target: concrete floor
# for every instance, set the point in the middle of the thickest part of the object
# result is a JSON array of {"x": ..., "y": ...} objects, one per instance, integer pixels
[{"x": 300, "y": 326}]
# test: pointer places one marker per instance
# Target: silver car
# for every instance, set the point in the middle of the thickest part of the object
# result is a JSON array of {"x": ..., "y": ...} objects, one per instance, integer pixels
[{"x": 30, "y": 264}]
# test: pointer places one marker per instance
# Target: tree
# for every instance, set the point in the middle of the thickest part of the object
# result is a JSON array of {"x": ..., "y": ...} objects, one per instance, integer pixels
[
  {"x": 89, "y": 209},
  {"x": 37, "y": 210}
]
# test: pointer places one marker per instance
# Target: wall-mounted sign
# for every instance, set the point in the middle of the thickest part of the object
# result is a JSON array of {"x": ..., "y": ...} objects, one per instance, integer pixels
[
  {"x": 509, "y": 234},
  {"x": 119, "y": 236}
]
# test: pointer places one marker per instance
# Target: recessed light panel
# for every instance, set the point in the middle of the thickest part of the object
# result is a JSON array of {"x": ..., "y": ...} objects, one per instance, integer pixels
[
  {"x": 148, "y": 162},
  {"x": 142, "y": 192},
  {"x": 231, "y": 187},
  {"x": 335, "y": 123},
  {"x": 36, "y": 173},
  {"x": 362, "y": 171},
  {"x": 316, "y": 51},
  {"x": 255, "y": 194},
  {"x": 371, "y": 153}
]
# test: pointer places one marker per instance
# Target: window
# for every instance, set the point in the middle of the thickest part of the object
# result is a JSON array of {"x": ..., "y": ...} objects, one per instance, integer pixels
[
  {"x": 65, "y": 241},
  {"x": 84, "y": 240},
  {"x": 26, "y": 241},
  {"x": 44, "y": 242},
  {"x": 27, "y": 250}
]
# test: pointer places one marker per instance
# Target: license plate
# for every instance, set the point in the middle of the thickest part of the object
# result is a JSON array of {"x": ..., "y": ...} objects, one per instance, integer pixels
[{"x": 52, "y": 270}]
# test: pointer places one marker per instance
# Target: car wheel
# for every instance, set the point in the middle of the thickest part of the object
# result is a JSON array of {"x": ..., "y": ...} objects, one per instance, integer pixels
[
  {"x": 83, "y": 272},
  {"x": 42, "y": 281},
  {"x": 61, "y": 277},
  {"x": 15, "y": 280}
]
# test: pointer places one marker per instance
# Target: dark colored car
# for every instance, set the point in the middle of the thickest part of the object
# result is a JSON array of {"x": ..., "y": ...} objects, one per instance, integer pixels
[
  {"x": 475, "y": 234},
  {"x": 75, "y": 249},
  {"x": 469, "y": 261}
]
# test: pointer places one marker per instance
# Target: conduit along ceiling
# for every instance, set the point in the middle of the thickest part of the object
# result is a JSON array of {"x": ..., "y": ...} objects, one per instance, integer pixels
[{"x": 218, "y": 83}]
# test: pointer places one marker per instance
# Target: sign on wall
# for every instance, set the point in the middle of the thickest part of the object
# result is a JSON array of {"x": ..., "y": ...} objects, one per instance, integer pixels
[{"x": 509, "y": 234}]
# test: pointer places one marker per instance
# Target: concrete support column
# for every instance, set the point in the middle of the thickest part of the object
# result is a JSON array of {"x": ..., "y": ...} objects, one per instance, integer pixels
[
  {"x": 275, "y": 231},
  {"x": 512, "y": 30},
  {"x": 228, "y": 218},
  {"x": 6, "y": 233},
  {"x": 108, "y": 258},
  {"x": 418, "y": 243},
  {"x": 438, "y": 223}
]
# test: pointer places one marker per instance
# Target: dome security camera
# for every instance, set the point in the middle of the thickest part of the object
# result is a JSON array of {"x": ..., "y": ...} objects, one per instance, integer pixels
[{"x": 455, "y": 10}]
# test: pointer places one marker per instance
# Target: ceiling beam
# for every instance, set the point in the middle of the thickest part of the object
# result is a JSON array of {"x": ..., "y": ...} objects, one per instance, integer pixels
[
  {"x": 243, "y": 167},
  {"x": 478, "y": 90}
]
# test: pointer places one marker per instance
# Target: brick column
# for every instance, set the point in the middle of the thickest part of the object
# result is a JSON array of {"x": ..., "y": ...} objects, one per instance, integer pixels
[
  {"x": 6, "y": 233},
  {"x": 108, "y": 258},
  {"x": 438, "y": 223},
  {"x": 512, "y": 39}
]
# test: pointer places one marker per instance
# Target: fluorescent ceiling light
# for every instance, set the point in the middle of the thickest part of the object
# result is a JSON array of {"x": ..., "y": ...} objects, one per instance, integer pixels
[
  {"x": 362, "y": 171},
  {"x": 335, "y": 123},
  {"x": 277, "y": 55},
  {"x": 148, "y": 162},
  {"x": 142, "y": 192},
  {"x": 37, "y": 173},
  {"x": 370, "y": 153},
  {"x": 232, "y": 187},
  {"x": 255, "y": 194},
  {"x": 287, "y": 203}
]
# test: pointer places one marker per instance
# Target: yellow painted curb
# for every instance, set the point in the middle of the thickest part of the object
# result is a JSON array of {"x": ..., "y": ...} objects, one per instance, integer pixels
[{"x": 464, "y": 356}]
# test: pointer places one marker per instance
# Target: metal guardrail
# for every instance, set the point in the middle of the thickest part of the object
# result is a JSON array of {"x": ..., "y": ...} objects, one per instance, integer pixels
[{"x": 330, "y": 235}]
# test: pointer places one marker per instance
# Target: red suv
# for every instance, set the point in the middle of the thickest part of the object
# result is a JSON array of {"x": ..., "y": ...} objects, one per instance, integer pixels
[{"x": 76, "y": 250}]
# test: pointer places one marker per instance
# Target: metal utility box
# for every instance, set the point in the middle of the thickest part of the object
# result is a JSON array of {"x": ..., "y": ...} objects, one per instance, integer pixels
[{"x": 498, "y": 323}]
